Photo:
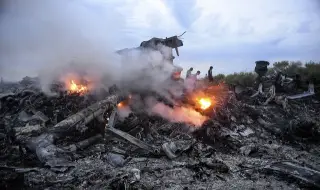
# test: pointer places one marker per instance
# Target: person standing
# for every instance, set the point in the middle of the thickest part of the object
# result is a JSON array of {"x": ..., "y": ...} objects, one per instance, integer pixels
[
  {"x": 210, "y": 77},
  {"x": 191, "y": 81},
  {"x": 194, "y": 77},
  {"x": 189, "y": 72}
]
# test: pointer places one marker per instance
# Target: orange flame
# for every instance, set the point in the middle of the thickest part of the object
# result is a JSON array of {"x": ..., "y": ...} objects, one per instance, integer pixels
[
  {"x": 125, "y": 102},
  {"x": 205, "y": 103},
  {"x": 77, "y": 88},
  {"x": 120, "y": 105}
]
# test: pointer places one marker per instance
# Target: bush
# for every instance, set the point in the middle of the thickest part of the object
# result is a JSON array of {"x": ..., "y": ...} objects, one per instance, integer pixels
[
  {"x": 307, "y": 71},
  {"x": 312, "y": 70},
  {"x": 219, "y": 77},
  {"x": 243, "y": 78}
]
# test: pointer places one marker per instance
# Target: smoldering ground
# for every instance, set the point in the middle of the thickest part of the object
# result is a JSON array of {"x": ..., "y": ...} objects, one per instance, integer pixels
[{"x": 53, "y": 37}]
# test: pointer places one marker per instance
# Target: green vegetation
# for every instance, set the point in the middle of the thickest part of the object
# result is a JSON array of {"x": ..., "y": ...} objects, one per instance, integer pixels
[
  {"x": 243, "y": 78},
  {"x": 307, "y": 71}
]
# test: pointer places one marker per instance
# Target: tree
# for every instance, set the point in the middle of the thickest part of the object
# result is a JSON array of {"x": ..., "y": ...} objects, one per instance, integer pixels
[
  {"x": 219, "y": 77},
  {"x": 281, "y": 66}
]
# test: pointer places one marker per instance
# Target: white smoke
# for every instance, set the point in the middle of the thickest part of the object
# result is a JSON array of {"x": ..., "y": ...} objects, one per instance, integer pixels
[{"x": 52, "y": 37}]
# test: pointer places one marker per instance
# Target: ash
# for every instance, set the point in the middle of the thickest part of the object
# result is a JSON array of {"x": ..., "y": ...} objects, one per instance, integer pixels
[{"x": 72, "y": 141}]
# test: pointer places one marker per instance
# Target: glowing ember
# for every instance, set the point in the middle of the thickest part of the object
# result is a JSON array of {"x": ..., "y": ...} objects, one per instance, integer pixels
[
  {"x": 121, "y": 104},
  {"x": 77, "y": 88},
  {"x": 204, "y": 103},
  {"x": 125, "y": 102}
]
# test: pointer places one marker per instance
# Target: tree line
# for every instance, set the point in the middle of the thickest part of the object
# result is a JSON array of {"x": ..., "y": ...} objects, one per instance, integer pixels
[{"x": 307, "y": 71}]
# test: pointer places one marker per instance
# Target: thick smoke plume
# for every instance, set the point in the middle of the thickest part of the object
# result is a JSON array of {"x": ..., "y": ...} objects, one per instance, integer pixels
[
  {"x": 63, "y": 39},
  {"x": 54, "y": 38},
  {"x": 179, "y": 114}
]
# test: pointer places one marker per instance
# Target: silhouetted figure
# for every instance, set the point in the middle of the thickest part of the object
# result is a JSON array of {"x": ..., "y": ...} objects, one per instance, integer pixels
[
  {"x": 210, "y": 77},
  {"x": 189, "y": 72}
]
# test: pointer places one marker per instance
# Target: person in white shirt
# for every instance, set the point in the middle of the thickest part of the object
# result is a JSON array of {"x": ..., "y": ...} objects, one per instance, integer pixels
[{"x": 190, "y": 82}]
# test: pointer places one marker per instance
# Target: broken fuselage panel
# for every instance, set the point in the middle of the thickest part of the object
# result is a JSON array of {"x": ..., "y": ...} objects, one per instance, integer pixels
[{"x": 158, "y": 44}]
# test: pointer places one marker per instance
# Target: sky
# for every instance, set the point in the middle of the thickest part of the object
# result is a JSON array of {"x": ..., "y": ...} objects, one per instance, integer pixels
[{"x": 229, "y": 35}]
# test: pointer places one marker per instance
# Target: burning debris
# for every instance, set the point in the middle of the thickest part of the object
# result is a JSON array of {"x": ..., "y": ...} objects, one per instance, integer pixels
[
  {"x": 75, "y": 82},
  {"x": 107, "y": 143},
  {"x": 210, "y": 137},
  {"x": 77, "y": 88},
  {"x": 205, "y": 103}
]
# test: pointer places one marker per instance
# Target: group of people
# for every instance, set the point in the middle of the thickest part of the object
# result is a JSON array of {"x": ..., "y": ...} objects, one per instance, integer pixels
[
  {"x": 191, "y": 79},
  {"x": 209, "y": 75},
  {"x": 190, "y": 75}
]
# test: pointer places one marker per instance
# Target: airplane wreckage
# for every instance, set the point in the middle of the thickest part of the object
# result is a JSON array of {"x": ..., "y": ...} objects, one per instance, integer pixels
[{"x": 215, "y": 138}]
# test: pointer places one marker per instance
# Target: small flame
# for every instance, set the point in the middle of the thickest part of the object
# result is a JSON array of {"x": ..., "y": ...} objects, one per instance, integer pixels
[
  {"x": 77, "y": 88},
  {"x": 125, "y": 102},
  {"x": 120, "y": 104},
  {"x": 205, "y": 103}
]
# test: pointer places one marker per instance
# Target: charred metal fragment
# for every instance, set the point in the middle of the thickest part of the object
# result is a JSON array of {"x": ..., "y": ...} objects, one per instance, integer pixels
[
  {"x": 53, "y": 156},
  {"x": 307, "y": 176}
]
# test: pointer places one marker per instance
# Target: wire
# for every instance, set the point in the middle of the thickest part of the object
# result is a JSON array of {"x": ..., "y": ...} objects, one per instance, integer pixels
[{"x": 182, "y": 34}]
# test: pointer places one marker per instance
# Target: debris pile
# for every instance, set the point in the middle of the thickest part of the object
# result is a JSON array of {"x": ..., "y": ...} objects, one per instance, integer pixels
[{"x": 79, "y": 141}]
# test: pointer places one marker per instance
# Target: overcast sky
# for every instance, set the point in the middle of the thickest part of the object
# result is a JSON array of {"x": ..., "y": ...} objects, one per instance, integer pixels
[{"x": 227, "y": 34}]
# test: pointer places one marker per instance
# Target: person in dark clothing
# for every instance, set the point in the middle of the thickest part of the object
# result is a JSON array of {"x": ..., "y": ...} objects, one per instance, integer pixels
[
  {"x": 189, "y": 72},
  {"x": 210, "y": 77}
]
